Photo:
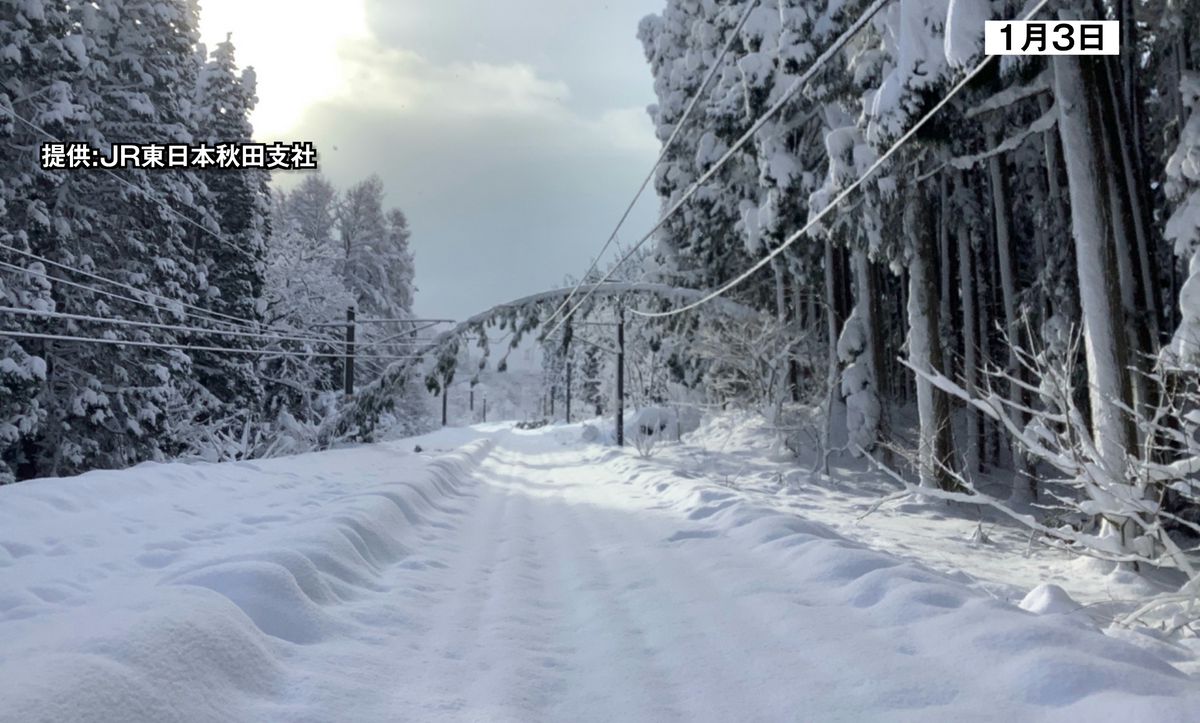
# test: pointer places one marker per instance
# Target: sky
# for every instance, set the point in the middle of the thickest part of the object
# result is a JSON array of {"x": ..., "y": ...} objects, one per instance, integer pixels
[{"x": 512, "y": 133}]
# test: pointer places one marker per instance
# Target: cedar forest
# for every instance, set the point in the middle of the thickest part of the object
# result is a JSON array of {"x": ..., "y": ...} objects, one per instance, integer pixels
[{"x": 1011, "y": 300}]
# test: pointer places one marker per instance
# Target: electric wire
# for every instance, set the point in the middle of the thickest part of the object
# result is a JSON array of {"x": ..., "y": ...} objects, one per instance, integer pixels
[
  {"x": 153, "y": 325},
  {"x": 712, "y": 73},
  {"x": 837, "y": 199},
  {"x": 103, "y": 279},
  {"x": 67, "y": 282},
  {"x": 837, "y": 45},
  {"x": 188, "y": 347}
]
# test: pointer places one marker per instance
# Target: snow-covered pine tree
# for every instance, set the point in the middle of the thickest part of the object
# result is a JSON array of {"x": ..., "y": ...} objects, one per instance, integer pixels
[
  {"x": 378, "y": 265},
  {"x": 909, "y": 52},
  {"x": 327, "y": 253},
  {"x": 701, "y": 246},
  {"x": 1183, "y": 226},
  {"x": 235, "y": 258},
  {"x": 110, "y": 406},
  {"x": 38, "y": 54}
]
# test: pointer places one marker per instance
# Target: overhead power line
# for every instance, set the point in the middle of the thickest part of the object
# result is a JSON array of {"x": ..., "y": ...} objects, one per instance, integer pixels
[
  {"x": 156, "y": 325},
  {"x": 712, "y": 73},
  {"x": 846, "y": 192},
  {"x": 837, "y": 45},
  {"x": 186, "y": 347},
  {"x": 67, "y": 282},
  {"x": 219, "y": 317}
]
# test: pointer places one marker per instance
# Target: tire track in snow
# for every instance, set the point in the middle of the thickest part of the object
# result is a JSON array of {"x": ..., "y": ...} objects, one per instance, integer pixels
[
  {"x": 518, "y": 663},
  {"x": 713, "y": 652},
  {"x": 431, "y": 681},
  {"x": 762, "y": 651},
  {"x": 620, "y": 677}
]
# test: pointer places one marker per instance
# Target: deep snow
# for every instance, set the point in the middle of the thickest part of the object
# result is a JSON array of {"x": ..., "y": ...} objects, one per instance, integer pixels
[{"x": 528, "y": 576}]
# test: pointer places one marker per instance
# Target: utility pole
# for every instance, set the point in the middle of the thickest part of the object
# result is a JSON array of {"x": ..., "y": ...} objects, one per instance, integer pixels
[
  {"x": 568, "y": 334},
  {"x": 349, "y": 378},
  {"x": 472, "y": 400},
  {"x": 485, "y": 409},
  {"x": 445, "y": 391},
  {"x": 620, "y": 374},
  {"x": 552, "y": 402}
]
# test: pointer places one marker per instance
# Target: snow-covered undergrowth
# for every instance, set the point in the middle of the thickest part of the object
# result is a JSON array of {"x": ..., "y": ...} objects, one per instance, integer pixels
[
  {"x": 986, "y": 550},
  {"x": 172, "y": 592}
]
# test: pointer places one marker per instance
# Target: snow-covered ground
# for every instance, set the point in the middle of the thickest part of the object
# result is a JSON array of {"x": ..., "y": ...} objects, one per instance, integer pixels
[{"x": 504, "y": 575}]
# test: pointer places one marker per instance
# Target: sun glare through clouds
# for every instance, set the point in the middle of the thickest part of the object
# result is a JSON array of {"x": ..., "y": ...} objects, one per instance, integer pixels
[{"x": 292, "y": 48}]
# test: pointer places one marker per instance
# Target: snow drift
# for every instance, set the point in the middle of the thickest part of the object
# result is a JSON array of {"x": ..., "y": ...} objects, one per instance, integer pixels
[{"x": 178, "y": 592}]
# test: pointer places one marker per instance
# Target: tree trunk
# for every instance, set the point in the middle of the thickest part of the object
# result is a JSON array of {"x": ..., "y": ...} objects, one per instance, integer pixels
[
  {"x": 966, "y": 274},
  {"x": 878, "y": 355},
  {"x": 780, "y": 290},
  {"x": 944, "y": 314},
  {"x": 924, "y": 346},
  {"x": 835, "y": 273},
  {"x": 870, "y": 357},
  {"x": 1024, "y": 487},
  {"x": 1138, "y": 290},
  {"x": 1058, "y": 200},
  {"x": 1080, "y": 127},
  {"x": 800, "y": 324}
]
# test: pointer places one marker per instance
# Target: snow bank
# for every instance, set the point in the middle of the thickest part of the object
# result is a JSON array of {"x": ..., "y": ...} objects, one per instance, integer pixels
[
  {"x": 176, "y": 592},
  {"x": 661, "y": 424},
  {"x": 1041, "y": 657}
]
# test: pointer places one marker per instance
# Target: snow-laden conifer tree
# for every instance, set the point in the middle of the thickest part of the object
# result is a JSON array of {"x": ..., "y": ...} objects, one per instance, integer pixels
[
  {"x": 378, "y": 265},
  {"x": 234, "y": 258},
  {"x": 701, "y": 246},
  {"x": 38, "y": 55},
  {"x": 301, "y": 291},
  {"x": 111, "y": 406}
]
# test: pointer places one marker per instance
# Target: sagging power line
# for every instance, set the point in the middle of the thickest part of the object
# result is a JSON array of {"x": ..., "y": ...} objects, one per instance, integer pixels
[
  {"x": 712, "y": 73},
  {"x": 843, "y": 194},
  {"x": 837, "y": 45}
]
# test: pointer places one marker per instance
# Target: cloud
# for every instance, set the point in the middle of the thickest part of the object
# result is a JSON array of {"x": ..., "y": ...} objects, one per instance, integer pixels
[
  {"x": 293, "y": 53},
  {"x": 512, "y": 149},
  {"x": 380, "y": 77},
  {"x": 500, "y": 205},
  {"x": 591, "y": 46},
  {"x": 628, "y": 128}
]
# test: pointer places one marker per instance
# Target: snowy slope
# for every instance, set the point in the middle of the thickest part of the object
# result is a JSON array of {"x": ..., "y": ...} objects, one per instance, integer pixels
[
  {"x": 188, "y": 592},
  {"x": 525, "y": 577}
]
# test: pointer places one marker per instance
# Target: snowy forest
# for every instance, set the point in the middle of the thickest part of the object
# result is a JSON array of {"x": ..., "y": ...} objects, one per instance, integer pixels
[
  {"x": 977, "y": 271},
  {"x": 979, "y": 274},
  {"x": 149, "y": 314},
  {"x": 1019, "y": 272},
  {"x": 893, "y": 413}
]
